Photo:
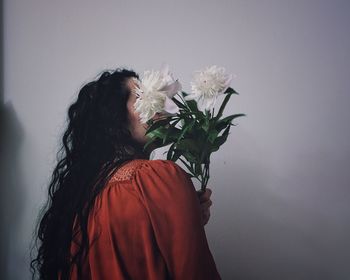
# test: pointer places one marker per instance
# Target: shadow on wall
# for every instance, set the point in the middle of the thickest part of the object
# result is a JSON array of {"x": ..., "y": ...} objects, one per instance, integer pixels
[
  {"x": 12, "y": 193},
  {"x": 290, "y": 226}
]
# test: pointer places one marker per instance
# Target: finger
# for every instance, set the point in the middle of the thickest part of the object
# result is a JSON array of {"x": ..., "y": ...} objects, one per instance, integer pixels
[
  {"x": 206, "y": 213},
  {"x": 206, "y": 195},
  {"x": 206, "y": 205},
  {"x": 209, "y": 191},
  {"x": 200, "y": 193},
  {"x": 205, "y": 218}
]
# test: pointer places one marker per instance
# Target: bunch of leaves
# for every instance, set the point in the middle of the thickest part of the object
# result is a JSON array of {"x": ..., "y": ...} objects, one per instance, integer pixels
[{"x": 192, "y": 135}]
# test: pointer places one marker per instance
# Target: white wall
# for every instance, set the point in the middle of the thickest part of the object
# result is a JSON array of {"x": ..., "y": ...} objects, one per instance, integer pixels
[{"x": 280, "y": 184}]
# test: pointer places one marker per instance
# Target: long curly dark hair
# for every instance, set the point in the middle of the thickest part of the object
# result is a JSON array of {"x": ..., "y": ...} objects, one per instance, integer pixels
[{"x": 96, "y": 142}]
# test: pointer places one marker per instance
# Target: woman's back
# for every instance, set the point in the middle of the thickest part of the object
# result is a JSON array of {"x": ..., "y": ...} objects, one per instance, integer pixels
[
  {"x": 146, "y": 224},
  {"x": 142, "y": 221}
]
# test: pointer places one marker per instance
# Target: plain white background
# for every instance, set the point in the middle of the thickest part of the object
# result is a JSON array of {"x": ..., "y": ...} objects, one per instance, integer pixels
[{"x": 280, "y": 183}]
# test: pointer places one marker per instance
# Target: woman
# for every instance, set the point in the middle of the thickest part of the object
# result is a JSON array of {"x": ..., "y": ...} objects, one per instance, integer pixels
[{"x": 112, "y": 213}]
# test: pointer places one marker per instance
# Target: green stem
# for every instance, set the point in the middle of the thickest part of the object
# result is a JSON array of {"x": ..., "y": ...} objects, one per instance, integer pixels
[
  {"x": 205, "y": 177},
  {"x": 223, "y": 105},
  {"x": 184, "y": 101}
]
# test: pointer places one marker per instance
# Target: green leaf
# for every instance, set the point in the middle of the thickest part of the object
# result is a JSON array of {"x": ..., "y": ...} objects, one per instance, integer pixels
[
  {"x": 174, "y": 122},
  {"x": 188, "y": 166},
  {"x": 189, "y": 156},
  {"x": 179, "y": 104},
  {"x": 170, "y": 152},
  {"x": 176, "y": 156},
  {"x": 231, "y": 91},
  {"x": 159, "y": 132},
  {"x": 223, "y": 105},
  {"x": 230, "y": 118},
  {"x": 184, "y": 93},
  {"x": 159, "y": 123},
  {"x": 171, "y": 134},
  {"x": 206, "y": 124},
  {"x": 213, "y": 133},
  {"x": 221, "y": 139},
  {"x": 198, "y": 168},
  {"x": 205, "y": 152},
  {"x": 188, "y": 145},
  {"x": 221, "y": 124},
  {"x": 192, "y": 104},
  {"x": 186, "y": 127}
]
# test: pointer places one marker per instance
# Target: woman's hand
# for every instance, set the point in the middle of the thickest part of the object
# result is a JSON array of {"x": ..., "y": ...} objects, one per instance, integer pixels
[{"x": 205, "y": 202}]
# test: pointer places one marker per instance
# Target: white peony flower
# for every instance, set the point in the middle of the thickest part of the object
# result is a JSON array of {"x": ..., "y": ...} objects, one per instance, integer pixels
[
  {"x": 207, "y": 85},
  {"x": 154, "y": 94}
]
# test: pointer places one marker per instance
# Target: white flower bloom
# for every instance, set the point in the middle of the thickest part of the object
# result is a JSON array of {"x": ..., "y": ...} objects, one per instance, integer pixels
[
  {"x": 154, "y": 94},
  {"x": 207, "y": 85}
]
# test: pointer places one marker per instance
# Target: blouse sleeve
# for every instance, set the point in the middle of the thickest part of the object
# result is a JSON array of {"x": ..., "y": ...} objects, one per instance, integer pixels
[{"x": 174, "y": 210}]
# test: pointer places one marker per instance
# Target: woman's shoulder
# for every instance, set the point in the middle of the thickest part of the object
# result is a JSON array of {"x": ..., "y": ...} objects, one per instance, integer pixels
[{"x": 159, "y": 166}]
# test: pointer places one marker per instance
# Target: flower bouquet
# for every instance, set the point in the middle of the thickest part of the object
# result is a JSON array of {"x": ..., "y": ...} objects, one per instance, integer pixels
[{"x": 187, "y": 122}]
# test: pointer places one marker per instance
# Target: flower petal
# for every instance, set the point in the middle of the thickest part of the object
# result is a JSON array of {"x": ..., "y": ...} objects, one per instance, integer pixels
[
  {"x": 211, "y": 103},
  {"x": 201, "y": 105},
  {"x": 164, "y": 69},
  {"x": 170, "y": 106},
  {"x": 227, "y": 82},
  {"x": 171, "y": 89},
  {"x": 190, "y": 97}
]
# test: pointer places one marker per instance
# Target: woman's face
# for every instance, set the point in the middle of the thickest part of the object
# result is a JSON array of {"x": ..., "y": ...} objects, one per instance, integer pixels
[{"x": 137, "y": 129}]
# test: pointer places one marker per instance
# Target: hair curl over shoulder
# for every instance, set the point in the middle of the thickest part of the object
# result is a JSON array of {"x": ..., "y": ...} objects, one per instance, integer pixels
[{"x": 95, "y": 143}]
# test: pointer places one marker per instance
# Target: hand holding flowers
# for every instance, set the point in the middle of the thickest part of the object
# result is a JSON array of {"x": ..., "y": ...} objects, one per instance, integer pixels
[{"x": 205, "y": 204}]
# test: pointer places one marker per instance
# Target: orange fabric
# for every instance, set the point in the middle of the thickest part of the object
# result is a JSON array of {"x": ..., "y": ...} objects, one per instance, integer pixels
[{"x": 146, "y": 224}]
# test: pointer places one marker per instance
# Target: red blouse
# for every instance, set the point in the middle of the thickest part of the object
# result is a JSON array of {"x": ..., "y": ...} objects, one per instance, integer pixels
[{"x": 146, "y": 224}]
